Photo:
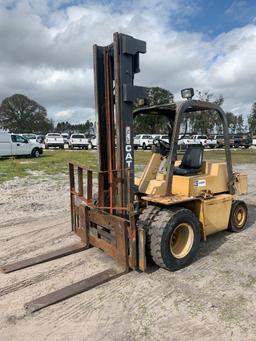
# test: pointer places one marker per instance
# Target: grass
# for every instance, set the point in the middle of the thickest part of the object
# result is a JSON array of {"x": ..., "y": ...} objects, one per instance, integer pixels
[{"x": 54, "y": 162}]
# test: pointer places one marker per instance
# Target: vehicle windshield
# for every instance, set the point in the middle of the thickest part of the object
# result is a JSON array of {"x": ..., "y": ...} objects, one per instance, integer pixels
[
  {"x": 78, "y": 136},
  {"x": 147, "y": 137},
  {"x": 30, "y": 136},
  {"x": 54, "y": 135},
  {"x": 165, "y": 137},
  {"x": 18, "y": 138}
]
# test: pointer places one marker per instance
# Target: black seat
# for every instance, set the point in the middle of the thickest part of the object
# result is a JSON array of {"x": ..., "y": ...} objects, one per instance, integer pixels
[{"x": 191, "y": 162}]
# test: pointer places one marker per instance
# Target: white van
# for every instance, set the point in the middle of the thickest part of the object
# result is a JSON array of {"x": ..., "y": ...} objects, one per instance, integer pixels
[{"x": 14, "y": 144}]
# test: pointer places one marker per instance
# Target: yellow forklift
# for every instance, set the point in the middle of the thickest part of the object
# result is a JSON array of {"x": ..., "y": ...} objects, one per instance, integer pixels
[{"x": 161, "y": 215}]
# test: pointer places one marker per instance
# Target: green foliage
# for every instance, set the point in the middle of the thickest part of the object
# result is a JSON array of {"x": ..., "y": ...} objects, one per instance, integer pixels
[
  {"x": 232, "y": 121},
  {"x": 19, "y": 113},
  {"x": 86, "y": 128},
  {"x": 240, "y": 123},
  {"x": 252, "y": 119},
  {"x": 151, "y": 123},
  {"x": 204, "y": 122}
]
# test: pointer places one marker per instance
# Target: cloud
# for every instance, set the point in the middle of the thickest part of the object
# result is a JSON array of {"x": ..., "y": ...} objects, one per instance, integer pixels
[{"x": 46, "y": 52}]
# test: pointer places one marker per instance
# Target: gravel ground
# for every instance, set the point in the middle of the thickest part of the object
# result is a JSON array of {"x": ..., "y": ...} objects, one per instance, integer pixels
[{"x": 213, "y": 297}]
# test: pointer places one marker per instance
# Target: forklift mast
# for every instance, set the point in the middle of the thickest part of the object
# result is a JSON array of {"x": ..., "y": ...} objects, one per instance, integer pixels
[{"x": 114, "y": 68}]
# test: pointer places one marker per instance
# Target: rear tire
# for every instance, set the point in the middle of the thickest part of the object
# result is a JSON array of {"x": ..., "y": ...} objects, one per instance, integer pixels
[{"x": 238, "y": 216}]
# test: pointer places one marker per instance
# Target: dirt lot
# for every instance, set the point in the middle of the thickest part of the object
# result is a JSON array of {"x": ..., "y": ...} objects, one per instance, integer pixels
[{"x": 214, "y": 297}]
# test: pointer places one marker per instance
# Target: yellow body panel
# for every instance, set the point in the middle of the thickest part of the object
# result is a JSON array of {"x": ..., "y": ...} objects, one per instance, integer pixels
[
  {"x": 206, "y": 193},
  {"x": 241, "y": 183},
  {"x": 213, "y": 213},
  {"x": 213, "y": 178},
  {"x": 150, "y": 172}
]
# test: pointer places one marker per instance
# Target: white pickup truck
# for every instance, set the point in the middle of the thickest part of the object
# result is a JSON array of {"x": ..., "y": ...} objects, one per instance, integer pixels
[
  {"x": 203, "y": 140},
  {"x": 143, "y": 141},
  {"x": 254, "y": 140},
  {"x": 14, "y": 145},
  {"x": 78, "y": 141},
  {"x": 93, "y": 141},
  {"x": 164, "y": 138},
  {"x": 54, "y": 140}
]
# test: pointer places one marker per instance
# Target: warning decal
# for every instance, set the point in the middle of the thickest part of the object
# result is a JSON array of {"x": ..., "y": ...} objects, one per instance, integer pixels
[{"x": 200, "y": 183}]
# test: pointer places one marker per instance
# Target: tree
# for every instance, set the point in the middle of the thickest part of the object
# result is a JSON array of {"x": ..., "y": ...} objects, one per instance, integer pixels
[
  {"x": 19, "y": 113},
  {"x": 232, "y": 121},
  {"x": 86, "y": 128},
  {"x": 240, "y": 123},
  {"x": 151, "y": 123},
  {"x": 205, "y": 121},
  {"x": 252, "y": 119}
]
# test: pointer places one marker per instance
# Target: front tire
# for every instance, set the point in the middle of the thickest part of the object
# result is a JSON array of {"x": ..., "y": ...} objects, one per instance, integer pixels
[
  {"x": 238, "y": 216},
  {"x": 35, "y": 153},
  {"x": 174, "y": 238}
]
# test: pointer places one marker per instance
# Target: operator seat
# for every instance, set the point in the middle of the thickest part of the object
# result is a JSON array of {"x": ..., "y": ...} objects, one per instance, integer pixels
[{"x": 191, "y": 162}]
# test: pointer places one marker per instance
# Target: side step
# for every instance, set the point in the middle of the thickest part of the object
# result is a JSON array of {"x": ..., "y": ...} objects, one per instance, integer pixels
[
  {"x": 46, "y": 257},
  {"x": 73, "y": 290}
]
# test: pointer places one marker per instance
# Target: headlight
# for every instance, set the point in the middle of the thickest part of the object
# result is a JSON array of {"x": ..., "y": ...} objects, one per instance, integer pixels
[{"x": 187, "y": 93}]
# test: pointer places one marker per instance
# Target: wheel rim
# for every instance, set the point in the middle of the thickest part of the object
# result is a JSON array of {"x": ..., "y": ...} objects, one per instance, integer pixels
[
  {"x": 181, "y": 240},
  {"x": 37, "y": 153},
  {"x": 240, "y": 216}
]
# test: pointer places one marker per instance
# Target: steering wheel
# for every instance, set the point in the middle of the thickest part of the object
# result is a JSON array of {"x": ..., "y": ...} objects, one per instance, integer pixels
[{"x": 161, "y": 146}]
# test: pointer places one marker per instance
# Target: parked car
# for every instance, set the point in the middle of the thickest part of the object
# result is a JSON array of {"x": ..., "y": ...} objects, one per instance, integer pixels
[
  {"x": 242, "y": 140},
  {"x": 184, "y": 139},
  {"x": 220, "y": 143},
  {"x": 54, "y": 140},
  {"x": 14, "y": 144},
  {"x": 203, "y": 140},
  {"x": 78, "y": 141},
  {"x": 40, "y": 138},
  {"x": 92, "y": 141},
  {"x": 30, "y": 137},
  {"x": 254, "y": 140},
  {"x": 161, "y": 137},
  {"x": 65, "y": 137},
  {"x": 144, "y": 141}
]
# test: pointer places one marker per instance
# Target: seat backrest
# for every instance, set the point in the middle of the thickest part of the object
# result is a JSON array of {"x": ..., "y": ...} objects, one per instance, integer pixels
[{"x": 193, "y": 157}]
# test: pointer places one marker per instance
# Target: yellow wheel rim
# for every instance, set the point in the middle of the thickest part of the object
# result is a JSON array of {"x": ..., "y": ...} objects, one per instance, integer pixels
[
  {"x": 240, "y": 216},
  {"x": 181, "y": 240}
]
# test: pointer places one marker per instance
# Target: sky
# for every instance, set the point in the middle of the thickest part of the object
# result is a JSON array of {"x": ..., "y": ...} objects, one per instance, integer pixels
[{"x": 46, "y": 49}]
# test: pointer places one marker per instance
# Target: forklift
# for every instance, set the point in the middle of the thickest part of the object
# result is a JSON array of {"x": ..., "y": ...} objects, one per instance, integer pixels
[{"x": 165, "y": 213}]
